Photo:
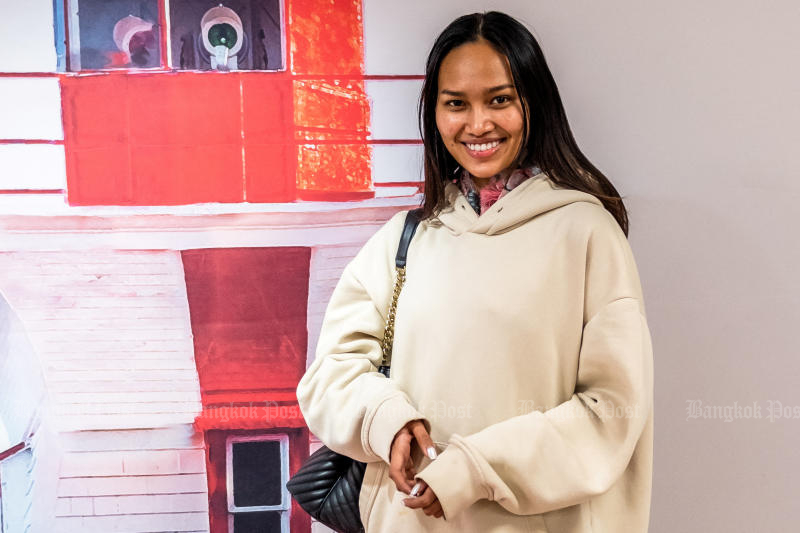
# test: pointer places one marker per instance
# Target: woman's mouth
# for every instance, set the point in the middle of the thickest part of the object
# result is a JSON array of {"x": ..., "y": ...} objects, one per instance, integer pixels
[{"x": 483, "y": 150}]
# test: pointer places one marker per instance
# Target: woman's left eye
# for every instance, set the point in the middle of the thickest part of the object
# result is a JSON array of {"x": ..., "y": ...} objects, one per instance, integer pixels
[{"x": 502, "y": 99}]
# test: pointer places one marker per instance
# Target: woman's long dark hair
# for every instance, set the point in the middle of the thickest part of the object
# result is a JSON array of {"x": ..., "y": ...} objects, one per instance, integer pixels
[{"x": 548, "y": 144}]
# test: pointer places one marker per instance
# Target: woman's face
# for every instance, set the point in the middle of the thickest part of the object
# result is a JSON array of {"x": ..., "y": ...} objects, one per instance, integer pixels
[{"x": 478, "y": 110}]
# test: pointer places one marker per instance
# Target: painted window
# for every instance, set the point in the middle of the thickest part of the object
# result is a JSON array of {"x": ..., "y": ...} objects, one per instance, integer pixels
[
  {"x": 239, "y": 35},
  {"x": 197, "y": 35},
  {"x": 257, "y": 469},
  {"x": 114, "y": 34}
]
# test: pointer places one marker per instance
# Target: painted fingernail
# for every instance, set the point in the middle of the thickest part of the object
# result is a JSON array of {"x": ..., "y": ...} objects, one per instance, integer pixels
[
  {"x": 432, "y": 452},
  {"x": 415, "y": 490}
]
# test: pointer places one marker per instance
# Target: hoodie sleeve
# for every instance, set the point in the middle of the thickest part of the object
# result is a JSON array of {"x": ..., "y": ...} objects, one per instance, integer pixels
[
  {"x": 346, "y": 402},
  {"x": 545, "y": 460}
]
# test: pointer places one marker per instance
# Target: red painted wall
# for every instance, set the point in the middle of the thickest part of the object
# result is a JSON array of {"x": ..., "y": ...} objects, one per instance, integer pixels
[
  {"x": 248, "y": 314},
  {"x": 165, "y": 138}
]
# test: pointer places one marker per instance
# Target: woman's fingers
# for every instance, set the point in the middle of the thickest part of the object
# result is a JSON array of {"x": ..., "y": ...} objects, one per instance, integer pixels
[
  {"x": 399, "y": 456},
  {"x": 427, "y": 501},
  {"x": 410, "y": 471},
  {"x": 424, "y": 440},
  {"x": 434, "y": 509}
]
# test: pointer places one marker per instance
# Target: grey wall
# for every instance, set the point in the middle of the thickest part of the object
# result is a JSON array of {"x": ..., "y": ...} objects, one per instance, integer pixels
[{"x": 691, "y": 108}]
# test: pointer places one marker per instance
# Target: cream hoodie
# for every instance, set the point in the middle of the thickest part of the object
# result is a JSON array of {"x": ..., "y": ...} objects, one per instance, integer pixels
[{"x": 521, "y": 340}]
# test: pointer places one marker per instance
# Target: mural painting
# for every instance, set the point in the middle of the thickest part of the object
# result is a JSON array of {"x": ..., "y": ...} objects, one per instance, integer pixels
[{"x": 181, "y": 184}]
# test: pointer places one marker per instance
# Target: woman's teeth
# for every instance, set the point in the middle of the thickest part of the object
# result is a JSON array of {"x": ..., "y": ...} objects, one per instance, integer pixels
[{"x": 482, "y": 147}]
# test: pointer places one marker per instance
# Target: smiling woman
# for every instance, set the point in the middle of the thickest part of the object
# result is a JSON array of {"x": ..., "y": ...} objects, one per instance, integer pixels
[
  {"x": 470, "y": 52},
  {"x": 478, "y": 112},
  {"x": 523, "y": 308}
]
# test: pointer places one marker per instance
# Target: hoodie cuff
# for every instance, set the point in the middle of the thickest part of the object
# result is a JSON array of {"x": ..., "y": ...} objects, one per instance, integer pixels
[
  {"x": 455, "y": 480},
  {"x": 390, "y": 416}
]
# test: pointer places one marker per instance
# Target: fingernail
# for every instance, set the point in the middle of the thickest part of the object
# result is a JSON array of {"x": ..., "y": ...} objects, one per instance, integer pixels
[
  {"x": 432, "y": 452},
  {"x": 415, "y": 490}
]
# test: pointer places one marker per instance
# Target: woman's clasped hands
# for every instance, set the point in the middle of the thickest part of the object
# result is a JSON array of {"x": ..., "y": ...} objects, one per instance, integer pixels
[{"x": 402, "y": 470}]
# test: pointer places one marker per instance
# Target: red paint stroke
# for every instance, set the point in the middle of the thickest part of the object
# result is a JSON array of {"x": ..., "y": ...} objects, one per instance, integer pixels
[
  {"x": 326, "y": 37},
  {"x": 325, "y": 110},
  {"x": 30, "y": 74},
  {"x": 334, "y": 196},
  {"x": 163, "y": 33},
  {"x": 30, "y": 141},
  {"x": 11, "y": 451},
  {"x": 361, "y": 77},
  {"x": 334, "y": 168},
  {"x": 401, "y": 184},
  {"x": 395, "y": 141},
  {"x": 32, "y": 191}
]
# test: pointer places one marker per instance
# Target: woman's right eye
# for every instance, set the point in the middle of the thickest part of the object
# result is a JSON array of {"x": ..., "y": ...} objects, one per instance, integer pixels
[{"x": 454, "y": 103}]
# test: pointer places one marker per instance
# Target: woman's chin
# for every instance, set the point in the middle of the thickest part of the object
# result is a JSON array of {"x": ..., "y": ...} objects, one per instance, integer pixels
[{"x": 483, "y": 171}]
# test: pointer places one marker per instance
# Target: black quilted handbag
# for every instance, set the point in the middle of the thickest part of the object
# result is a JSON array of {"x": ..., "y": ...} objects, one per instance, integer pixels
[{"x": 328, "y": 484}]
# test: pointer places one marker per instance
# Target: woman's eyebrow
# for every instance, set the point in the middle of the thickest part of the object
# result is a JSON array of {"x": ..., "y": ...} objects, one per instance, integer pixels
[{"x": 487, "y": 91}]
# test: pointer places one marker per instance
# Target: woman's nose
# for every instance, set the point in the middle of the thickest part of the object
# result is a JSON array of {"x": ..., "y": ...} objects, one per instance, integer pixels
[{"x": 479, "y": 122}]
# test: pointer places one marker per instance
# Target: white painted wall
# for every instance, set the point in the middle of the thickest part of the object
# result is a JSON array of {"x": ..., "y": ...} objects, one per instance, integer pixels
[
  {"x": 110, "y": 337},
  {"x": 30, "y": 108},
  {"x": 113, "y": 333},
  {"x": 691, "y": 108},
  {"x": 27, "y": 39},
  {"x": 21, "y": 375},
  {"x": 32, "y": 166},
  {"x": 133, "y": 480},
  {"x": 396, "y": 162},
  {"x": 393, "y": 112},
  {"x": 325, "y": 269}
]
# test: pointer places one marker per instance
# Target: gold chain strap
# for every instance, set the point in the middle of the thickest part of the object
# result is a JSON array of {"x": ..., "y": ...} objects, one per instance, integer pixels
[{"x": 388, "y": 332}]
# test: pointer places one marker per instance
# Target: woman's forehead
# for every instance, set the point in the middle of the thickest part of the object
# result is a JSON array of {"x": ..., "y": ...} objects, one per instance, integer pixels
[{"x": 474, "y": 66}]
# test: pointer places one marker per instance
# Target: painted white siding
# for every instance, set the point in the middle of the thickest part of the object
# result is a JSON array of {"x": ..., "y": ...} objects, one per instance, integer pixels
[
  {"x": 30, "y": 109},
  {"x": 21, "y": 378},
  {"x": 325, "y": 269},
  {"x": 32, "y": 166},
  {"x": 138, "y": 480},
  {"x": 394, "y": 108},
  {"x": 396, "y": 162},
  {"x": 26, "y": 36},
  {"x": 113, "y": 333}
]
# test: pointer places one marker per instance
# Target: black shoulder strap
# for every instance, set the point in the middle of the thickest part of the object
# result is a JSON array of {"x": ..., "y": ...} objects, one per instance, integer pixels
[{"x": 412, "y": 221}]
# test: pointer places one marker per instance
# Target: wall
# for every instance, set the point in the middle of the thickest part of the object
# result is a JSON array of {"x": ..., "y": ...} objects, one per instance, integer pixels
[{"x": 691, "y": 109}]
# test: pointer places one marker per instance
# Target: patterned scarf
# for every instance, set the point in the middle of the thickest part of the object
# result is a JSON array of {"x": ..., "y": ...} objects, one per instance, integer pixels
[{"x": 497, "y": 187}]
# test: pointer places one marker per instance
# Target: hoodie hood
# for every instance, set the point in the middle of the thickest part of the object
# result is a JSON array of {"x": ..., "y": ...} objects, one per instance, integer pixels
[{"x": 536, "y": 195}]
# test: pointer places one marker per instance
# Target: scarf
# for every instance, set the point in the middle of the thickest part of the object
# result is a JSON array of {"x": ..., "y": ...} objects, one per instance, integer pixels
[{"x": 497, "y": 187}]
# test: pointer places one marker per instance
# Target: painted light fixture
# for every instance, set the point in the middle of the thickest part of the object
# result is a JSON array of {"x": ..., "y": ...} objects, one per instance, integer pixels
[{"x": 222, "y": 33}]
